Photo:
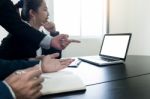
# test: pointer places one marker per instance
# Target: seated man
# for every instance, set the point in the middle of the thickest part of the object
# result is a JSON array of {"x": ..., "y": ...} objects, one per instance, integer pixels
[
  {"x": 11, "y": 21},
  {"x": 48, "y": 64},
  {"x": 21, "y": 83}
]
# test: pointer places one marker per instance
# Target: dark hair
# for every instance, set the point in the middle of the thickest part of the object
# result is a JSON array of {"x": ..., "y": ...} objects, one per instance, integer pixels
[
  {"x": 19, "y": 4},
  {"x": 26, "y": 6}
]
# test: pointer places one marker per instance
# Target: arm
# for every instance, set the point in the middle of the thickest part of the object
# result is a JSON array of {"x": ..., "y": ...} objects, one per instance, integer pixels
[
  {"x": 29, "y": 82},
  {"x": 50, "y": 28},
  {"x": 10, "y": 20},
  {"x": 7, "y": 67},
  {"x": 5, "y": 92}
]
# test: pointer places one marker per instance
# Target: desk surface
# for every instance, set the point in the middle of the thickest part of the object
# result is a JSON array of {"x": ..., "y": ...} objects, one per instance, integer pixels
[
  {"x": 132, "y": 88},
  {"x": 95, "y": 76},
  {"x": 134, "y": 66}
]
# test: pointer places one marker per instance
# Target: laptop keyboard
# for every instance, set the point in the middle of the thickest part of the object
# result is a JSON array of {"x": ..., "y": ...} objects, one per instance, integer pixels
[{"x": 108, "y": 59}]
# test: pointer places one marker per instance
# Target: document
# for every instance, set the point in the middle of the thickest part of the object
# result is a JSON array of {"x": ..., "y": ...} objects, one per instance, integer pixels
[{"x": 60, "y": 82}]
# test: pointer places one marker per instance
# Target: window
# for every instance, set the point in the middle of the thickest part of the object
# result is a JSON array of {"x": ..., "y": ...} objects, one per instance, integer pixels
[{"x": 84, "y": 18}]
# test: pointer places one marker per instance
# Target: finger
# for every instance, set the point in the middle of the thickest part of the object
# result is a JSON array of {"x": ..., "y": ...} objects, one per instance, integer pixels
[
  {"x": 64, "y": 36},
  {"x": 64, "y": 44},
  {"x": 37, "y": 81},
  {"x": 74, "y": 41},
  {"x": 33, "y": 73},
  {"x": 55, "y": 55},
  {"x": 36, "y": 95},
  {"x": 36, "y": 92},
  {"x": 66, "y": 62},
  {"x": 66, "y": 59},
  {"x": 36, "y": 88}
]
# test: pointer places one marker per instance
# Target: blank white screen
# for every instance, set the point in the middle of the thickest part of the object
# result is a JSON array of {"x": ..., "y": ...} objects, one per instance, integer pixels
[{"x": 115, "y": 45}]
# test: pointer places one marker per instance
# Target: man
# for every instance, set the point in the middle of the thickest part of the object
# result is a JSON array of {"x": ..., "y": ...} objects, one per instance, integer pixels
[
  {"x": 23, "y": 83},
  {"x": 10, "y": 20},
  {"x": 48, "y": 64}
]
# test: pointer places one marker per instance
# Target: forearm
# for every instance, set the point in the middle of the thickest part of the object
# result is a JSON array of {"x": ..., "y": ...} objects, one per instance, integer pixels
[{"x": 8, "y": 67}]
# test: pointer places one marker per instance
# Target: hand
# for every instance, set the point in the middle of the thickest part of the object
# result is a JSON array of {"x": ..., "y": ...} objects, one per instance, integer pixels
[
  {"x": 61, "y": 41},
  {"x": 50, "y": 64},
  {"x": 36, "y": 58},
  {"x": 49, "y": 26},
  {"x": 26, "y": 84}
]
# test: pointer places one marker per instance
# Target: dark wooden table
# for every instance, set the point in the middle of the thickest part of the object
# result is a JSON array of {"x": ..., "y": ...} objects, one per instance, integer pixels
[{"x": 121, "y": 81}]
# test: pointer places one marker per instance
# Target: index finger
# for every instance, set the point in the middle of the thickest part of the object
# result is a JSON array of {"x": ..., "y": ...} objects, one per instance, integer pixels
[{"x": 74, "y": 41}]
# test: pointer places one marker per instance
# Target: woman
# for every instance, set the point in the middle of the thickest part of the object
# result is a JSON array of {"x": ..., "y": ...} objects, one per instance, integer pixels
[
  {"x": 11, "y": 47},
  {"x": 35, "y": 13}
]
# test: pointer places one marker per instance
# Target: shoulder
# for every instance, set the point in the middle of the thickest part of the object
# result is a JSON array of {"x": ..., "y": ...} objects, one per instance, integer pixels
[{"x": 2, "y": 2}]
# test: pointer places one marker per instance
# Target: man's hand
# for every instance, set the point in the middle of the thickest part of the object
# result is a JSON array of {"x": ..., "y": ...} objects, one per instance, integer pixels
[
  {"x": 61, "y": 41},
  {"x": 26, "y": 84},
  {"x": 50, "y": 64}
]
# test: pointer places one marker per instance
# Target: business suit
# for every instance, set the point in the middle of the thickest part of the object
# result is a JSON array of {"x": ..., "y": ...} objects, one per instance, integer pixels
[
  {"x": 10, "y": 20},
  {"x": 5, "y": 92}
]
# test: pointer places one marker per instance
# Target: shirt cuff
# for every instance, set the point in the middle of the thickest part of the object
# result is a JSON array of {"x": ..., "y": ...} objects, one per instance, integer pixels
[
  {"x": 45, "y": 43},
  {"x": 10, "y": 89}
]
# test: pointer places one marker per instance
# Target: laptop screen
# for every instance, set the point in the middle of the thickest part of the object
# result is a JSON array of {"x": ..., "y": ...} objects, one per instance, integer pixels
[{"x": 115, "y": 45}]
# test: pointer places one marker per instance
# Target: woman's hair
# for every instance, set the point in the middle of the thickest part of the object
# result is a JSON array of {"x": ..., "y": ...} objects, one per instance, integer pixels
[
  {"x": 28, "y": 5},
  {"x": 19, "y": 4}
]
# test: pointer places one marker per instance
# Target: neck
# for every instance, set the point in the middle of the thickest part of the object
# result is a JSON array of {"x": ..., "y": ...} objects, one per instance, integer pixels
[{"x": 34, "y": 25}]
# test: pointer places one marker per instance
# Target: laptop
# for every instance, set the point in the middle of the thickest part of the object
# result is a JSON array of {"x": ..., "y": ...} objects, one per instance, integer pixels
[{"x": 113, "y": 50}]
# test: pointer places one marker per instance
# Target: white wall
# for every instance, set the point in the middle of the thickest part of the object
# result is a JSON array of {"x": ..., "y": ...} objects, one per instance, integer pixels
[
  {"x": 88, "y": 46},
  {"x": 132, "y": 16}
]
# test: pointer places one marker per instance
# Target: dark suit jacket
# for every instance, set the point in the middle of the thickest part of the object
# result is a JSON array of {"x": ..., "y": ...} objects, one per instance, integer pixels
[
  {"x": 11, "y": 49},
  {"x": 10, "y": 20},
  {"x": 4, "y": 92}
]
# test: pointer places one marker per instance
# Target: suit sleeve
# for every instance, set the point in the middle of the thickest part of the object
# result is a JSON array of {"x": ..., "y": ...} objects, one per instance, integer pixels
[
  {"x": 52, "y": 49},
  {"x": 7, "y": 67},
  {"x": 11, "y": 21},
  {"x": 5, "y": 92}
]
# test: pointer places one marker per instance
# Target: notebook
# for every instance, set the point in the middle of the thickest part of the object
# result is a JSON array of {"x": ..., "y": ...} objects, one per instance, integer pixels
[
  {"x": 113, "y": 50},
  {"x": 61, "y": 82}
]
